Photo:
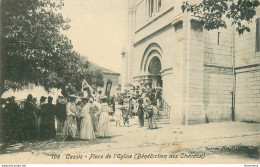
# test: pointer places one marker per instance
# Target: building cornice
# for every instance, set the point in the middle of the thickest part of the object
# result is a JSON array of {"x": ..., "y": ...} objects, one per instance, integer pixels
[
  {"x": 153, "y": 19},
  {"x": 148, "y": 36}
]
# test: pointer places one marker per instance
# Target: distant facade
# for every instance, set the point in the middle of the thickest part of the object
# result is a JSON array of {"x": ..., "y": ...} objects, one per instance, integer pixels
[
  {"x": 35, "y": 91},
  {"x": 38, "y": 91},
  {"x": 114, "y": 77},
  {"x": 206, "y": 76},
  {"x": 109, "y": 75}
]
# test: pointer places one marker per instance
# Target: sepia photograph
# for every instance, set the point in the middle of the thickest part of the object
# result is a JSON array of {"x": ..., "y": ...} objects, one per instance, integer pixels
[{"x": 130, "y": 82}]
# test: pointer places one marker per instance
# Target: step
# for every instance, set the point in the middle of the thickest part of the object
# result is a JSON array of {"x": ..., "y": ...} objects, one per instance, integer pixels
[
  {"x": 163, "y": 117},
  {"x": 160, "y": 121}
]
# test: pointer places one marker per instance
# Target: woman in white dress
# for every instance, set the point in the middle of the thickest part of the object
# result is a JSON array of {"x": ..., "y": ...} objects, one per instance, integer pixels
[
  {"x": 104, "y": 118},
  {"x": 87, "y": 131}
]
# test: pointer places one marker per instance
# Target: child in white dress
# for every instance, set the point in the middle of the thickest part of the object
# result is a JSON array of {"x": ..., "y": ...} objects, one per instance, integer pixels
[{"x": 118, "y": 114}]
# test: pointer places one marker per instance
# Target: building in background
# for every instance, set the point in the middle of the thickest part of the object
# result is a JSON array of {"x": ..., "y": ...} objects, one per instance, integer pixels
[
  {"x": 35, "y": 91},
  {"x": 206, "y": 76},
  {"x": 109, "y": 75},
  {"x": 114, "y": 77},
  {"x": 38, "y": 91}
]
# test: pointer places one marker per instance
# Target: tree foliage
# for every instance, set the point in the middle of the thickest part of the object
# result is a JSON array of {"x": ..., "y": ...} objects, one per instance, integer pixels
[
  {"x": 33, "y": 49},
  {"x": 213, "y": 13}
]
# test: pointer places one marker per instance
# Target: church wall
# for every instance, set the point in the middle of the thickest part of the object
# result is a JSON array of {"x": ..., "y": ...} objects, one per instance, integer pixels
[
  {"x": 197, "y": 67},
  {"x": 218, "y": 79},
  {"x": 171, "y": 43},
  {"x": 247, "y": 106}
]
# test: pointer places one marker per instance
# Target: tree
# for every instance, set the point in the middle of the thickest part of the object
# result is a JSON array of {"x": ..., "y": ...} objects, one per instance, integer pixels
[
  {"x": 33, "y": 49},
  {"x": 69, "y": 77},
  {"x": 31, "y": 41},
  {"x": 212, "y": 13}
]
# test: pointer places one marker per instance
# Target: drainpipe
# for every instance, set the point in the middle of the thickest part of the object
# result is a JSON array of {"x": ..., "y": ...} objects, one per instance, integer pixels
[
  {"x": 233, "y": 75},
  {"x": 187, "y": 86}
]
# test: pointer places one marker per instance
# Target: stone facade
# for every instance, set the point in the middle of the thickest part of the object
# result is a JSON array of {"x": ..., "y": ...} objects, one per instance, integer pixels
[{"x": 207, "y": 76}]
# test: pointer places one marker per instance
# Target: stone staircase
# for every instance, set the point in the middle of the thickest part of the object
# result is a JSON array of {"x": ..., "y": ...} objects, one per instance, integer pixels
[{"x": 164, "y": 114}]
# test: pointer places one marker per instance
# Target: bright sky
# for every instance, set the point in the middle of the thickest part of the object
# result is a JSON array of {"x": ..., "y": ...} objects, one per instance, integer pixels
[{"x": 98, "y": 30}]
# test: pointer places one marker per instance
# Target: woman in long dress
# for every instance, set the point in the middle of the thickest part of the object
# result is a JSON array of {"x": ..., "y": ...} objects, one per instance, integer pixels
[
  {"x": 29, "y": 119},
  {"x": 70, "y": 127},
  {"x": 92, "y": 112},
  {"x": 87, "y": 131},
  {"x": 47, "y": 126},
  {"x": 104, "y": 118}
]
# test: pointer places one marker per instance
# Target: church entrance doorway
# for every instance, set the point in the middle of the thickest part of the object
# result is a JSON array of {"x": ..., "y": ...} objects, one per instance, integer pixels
[{"x": 154, "y": 68}]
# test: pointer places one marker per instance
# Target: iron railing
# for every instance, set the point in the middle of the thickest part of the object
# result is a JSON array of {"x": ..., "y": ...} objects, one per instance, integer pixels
[{"x": 166, "y": 108}]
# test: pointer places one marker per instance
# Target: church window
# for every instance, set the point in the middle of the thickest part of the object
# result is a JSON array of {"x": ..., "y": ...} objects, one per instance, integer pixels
[
  {"x": 257, "y": 42},
  {"x": 178, "y": 26},
  {"x": 153, "y": 6},
  {"x": 159, "y": 5}
]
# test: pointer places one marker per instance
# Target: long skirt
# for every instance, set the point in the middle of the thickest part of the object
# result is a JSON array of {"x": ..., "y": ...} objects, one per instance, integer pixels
[
  {"x": 103, "y": 124},
  {"x": 70, "y": 127},
  {"x": 87, "y": 131},
  {"x": 141, "y": 120},
  {"x": 93, "y": 121}
]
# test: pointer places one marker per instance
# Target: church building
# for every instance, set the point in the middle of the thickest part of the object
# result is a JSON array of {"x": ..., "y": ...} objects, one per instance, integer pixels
[{"x": 206, "y": 76}]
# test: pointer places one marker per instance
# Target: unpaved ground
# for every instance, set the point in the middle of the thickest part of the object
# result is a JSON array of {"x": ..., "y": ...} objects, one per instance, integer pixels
[{"x": 233, "y": 142}]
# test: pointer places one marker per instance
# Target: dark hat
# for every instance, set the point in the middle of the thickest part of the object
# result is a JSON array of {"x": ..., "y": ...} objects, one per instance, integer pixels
[
  {"x": 85, "y": 99},
  {"x": 140, "y": 100},
  {"x": 121, "y": 108},
  {"x": 42, "y": 99}
]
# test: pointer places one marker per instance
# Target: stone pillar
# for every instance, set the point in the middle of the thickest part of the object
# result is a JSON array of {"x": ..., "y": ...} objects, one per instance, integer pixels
[
  {"x": 194, "y": 77},
  {"x": 131, "y": 33}
]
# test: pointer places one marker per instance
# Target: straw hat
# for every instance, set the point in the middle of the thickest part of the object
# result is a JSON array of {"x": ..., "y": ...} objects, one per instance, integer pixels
[
  {"x": 103, "y": 97},
  {"x": 72, "y": 95}
]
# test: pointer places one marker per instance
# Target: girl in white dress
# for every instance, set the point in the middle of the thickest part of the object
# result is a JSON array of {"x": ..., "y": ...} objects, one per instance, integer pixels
[
  {"x": 118, "y": 114},
  {"x": 87, "y": 131}
]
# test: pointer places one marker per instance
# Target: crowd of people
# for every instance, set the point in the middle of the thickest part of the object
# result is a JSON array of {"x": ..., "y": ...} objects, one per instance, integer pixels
[
  {"x": 143, "y": 103},
  {"x": 75, "y": 117}
]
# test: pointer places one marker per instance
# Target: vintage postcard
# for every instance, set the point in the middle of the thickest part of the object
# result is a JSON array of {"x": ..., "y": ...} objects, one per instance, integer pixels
[{"x": 130, "y": 82}]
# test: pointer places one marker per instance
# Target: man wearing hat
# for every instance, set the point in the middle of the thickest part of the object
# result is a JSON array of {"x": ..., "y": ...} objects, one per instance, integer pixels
[
  {"x": 61, "y": 112},
  {"x": 151, "y": 110},
  {"x": 140, "y": 112}
]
